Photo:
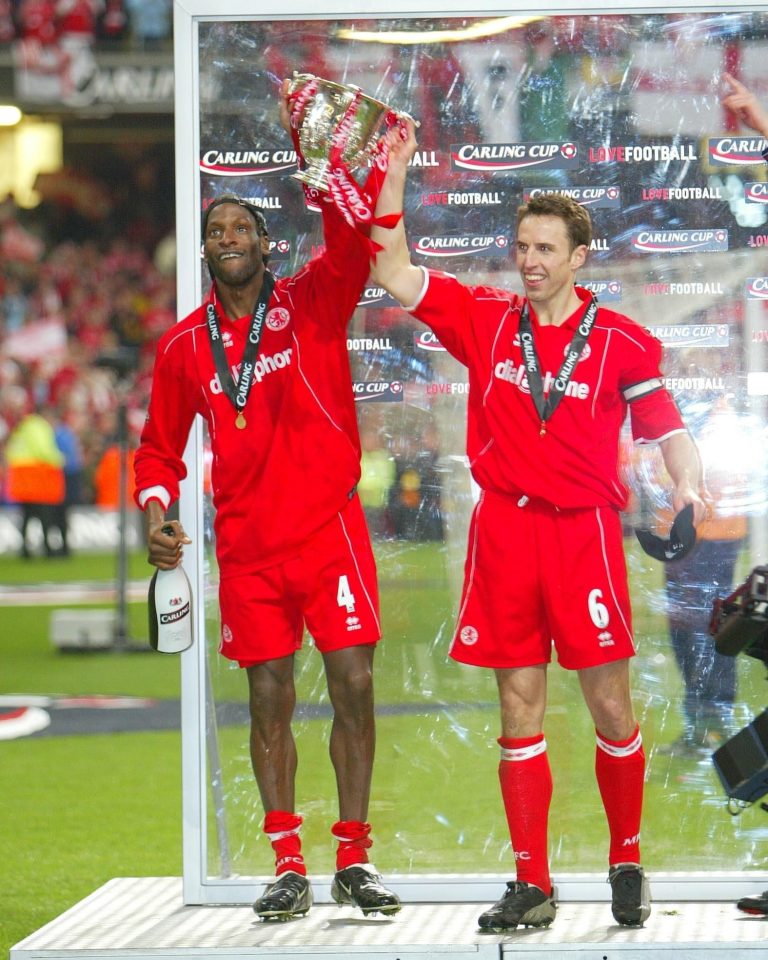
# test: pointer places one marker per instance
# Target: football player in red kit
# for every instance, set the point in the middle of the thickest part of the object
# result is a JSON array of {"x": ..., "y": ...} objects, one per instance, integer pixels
[
  {"x": 551, "y": 377},
  {"x": 264, "y": 362}
]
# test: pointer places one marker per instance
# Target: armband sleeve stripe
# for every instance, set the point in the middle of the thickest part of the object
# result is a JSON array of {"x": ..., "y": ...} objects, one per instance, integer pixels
[{"x": 637, "y": 390}]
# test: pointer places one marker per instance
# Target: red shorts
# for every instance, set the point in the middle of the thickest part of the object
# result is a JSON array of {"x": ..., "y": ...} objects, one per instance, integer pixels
[
  {"x": 329, "y": 586},
  {"x": 536, "y": 575}
]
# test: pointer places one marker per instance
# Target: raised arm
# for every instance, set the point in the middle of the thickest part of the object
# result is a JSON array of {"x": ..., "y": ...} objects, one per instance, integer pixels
[
  {"x": 743, "y": 102},
  {"x": 683, "y": 463},
  {"x": 392, "y": 268}
]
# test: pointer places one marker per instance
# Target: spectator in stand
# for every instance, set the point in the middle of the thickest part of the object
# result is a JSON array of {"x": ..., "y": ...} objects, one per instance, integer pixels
[
  {"x": 14, "y": 399},
  {"x": 77, "y": 20},
  {"x": 15, "y": 304},
  {"x": 150, "y": 23},
  {"x": 113, "y": 24},
  {"x": 7, "y": 26},
  {"x": 37, "y": 21}
]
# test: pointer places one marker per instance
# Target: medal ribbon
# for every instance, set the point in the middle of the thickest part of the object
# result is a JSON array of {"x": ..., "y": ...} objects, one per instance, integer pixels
[
  {"x": 238, "y": 391},
  {"x": 545, "y": 407}
]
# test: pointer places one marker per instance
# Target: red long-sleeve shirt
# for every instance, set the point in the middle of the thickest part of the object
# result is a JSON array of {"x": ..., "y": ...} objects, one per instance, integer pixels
[
  {"x": 575, "y": 462},
  {"x": 297, "y": 461}
]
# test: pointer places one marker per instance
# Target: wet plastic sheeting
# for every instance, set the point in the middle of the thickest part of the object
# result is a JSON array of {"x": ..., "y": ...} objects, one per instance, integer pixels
[{"x": 624, "y": 111}]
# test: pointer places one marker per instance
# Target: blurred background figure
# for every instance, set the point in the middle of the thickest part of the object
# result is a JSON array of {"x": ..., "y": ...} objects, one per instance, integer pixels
[
  {"x": 378, "y": 471},
  {"x": 35, "y": 476},
  {"x": 693, "y": 583},
  {"x": 68, "y": 441},
  {"x": 150, "y": 22},
  {"x": 114, "y": 467},
  {"x": 415, "y": 496}
]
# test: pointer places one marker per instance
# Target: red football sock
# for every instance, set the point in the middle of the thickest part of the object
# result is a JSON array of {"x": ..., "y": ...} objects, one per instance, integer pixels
[
  {"x": 282, "y": 828},
  {"x": 620, "y": 771},
  {"x": 354, "y": 842},
  {"x": 526, "y": 787}
]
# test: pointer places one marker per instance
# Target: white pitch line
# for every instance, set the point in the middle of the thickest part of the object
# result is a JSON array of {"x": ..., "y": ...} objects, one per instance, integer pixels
[{"x": 49, "y": 593}]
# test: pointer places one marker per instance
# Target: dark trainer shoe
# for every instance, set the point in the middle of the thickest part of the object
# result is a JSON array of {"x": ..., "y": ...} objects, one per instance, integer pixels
[
  {"x": 361, "y": 886},
  {"x": 289, "y": 896},
  {"x": 523, "y": 903},
  {"x": 630, "y": 894},
  {"x": 757, "y": 904}
]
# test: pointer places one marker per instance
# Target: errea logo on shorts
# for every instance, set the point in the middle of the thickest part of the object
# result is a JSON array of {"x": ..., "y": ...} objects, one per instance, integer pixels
[
  {"x": 605, "y": 639},
  {"x": 226, "y": 634},
  {"x": 468, "y": 636}
]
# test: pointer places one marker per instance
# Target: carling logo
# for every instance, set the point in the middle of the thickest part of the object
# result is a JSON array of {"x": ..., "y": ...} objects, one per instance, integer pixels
[
  {"x": 467, "y": 245},
  {"x": 606, "y": 291},
  {"x": 680, "y": 241},
  {"x": 692, "y": 334},
  {"x": 501, "y": 157},
  {"x": 606, "y": 198},
  {"x": 757, "y": 288},
  {"x": 246, "y": 163},
  {"x": 279, "y": 249},
  {"x": 376, "y": 297},
  {"x": 756, "y": 192},
  {"x": 426, "y": 340},
  {"x": 378, "y": 391},
  {"x": 737, "y": 151}
]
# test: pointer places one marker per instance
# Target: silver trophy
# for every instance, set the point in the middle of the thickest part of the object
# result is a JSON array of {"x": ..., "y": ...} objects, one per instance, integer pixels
[{"x": 319, "y": 119}]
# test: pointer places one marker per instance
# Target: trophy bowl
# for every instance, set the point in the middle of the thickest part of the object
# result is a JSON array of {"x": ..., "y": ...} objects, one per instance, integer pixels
[{"x": 317, "y": 120}]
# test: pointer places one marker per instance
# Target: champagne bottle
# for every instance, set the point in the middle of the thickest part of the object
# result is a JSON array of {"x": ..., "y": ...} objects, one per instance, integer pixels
[{"x": 170, "y": 609}]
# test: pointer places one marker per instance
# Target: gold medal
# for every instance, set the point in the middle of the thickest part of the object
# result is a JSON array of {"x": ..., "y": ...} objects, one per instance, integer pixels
[{"x": 240, "y": 421}]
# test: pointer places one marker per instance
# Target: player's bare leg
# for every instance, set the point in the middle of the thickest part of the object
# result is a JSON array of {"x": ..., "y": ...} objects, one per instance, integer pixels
[
  {"x": 349, "y": 673},
  {"x": 273, "y": 749}
]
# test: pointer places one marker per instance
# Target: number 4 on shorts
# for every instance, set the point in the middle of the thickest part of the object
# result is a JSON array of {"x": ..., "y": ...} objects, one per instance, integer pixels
[{"x": 344, "y": 596}]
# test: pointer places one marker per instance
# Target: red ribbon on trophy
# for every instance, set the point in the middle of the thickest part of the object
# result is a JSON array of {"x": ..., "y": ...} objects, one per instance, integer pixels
[{"x": 349, "y": 132}]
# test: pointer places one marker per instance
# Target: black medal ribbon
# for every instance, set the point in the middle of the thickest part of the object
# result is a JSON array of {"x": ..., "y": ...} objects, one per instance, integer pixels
[
  {"x": 238, "y": 391},
  {"x": 545, "y": 406}
]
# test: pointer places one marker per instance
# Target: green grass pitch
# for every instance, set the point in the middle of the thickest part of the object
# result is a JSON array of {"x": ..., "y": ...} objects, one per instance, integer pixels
[{"x": 81, "y": 810}]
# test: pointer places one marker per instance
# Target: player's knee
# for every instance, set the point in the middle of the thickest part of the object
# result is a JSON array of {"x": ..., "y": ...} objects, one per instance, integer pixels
[{"x": 352, "y": 692}]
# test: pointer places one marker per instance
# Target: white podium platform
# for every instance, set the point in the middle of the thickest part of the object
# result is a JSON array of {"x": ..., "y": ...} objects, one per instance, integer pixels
[{"x": 146, "y": 919}]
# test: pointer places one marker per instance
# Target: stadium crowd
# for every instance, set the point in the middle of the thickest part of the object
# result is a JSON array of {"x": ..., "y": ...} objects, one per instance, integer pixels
[
  {"x": 136, "y": 24},
  {"x": 79, "y": 321},
  {"x": 82, "y": 306}
]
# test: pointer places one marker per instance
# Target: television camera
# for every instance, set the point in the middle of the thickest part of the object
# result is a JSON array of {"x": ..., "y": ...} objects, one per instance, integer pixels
[{"x": 739, "y": 624}]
